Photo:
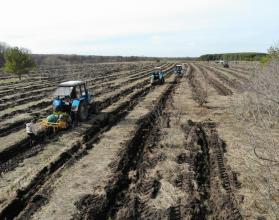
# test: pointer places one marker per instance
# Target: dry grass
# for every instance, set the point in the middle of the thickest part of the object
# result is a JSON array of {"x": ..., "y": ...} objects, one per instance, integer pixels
[
  {"x": 259, "y": 199},
  {"x": 258, "y": 108}
]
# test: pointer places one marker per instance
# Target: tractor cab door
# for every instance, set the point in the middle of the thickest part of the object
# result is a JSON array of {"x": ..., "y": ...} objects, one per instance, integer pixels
[
  {"x": 74, "y": 93},
  {"x": 85, "y": 93}
]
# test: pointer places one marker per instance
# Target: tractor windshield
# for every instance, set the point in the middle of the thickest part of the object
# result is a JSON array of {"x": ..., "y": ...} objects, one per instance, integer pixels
[
  {"x": 178, "y": 67},
  {"x": 63, "y": 91}
]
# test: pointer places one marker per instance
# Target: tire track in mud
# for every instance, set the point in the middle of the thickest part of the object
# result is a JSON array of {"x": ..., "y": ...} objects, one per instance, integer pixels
[
  {"x": 132, "y": 203},
  {"x": 205, "y": 199},
  {"x": 30, "y": 197},
  {"x": 208, "y": 183},
  {"x": 198, "y": 92},
  {"x": 219, "y": 87},
  {"x": 94, "y": 207},
  {"x": 207, "y": 150}
]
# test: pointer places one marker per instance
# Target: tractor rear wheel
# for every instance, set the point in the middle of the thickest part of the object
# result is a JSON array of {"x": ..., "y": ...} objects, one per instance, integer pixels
[
  {"x": 93, "y": 108},
  {"x": 82, "y": 111}
]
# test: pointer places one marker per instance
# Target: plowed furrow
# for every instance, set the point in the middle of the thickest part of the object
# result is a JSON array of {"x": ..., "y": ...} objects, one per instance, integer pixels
[
  {"x": 105, "y": 88},
  {"x": 118, "y": 157},
  {"x": 22, "y": 146},
  {"x": 199, "y": 93},
  {"x": 218, "y": 86},
  {"x": 25, "y": 97},
  {"x": 191, "y": 191},
  {"x": 234, "y": 73},
  {"x": 74, "y": 150},
  {"x": 233, "y": 83}
]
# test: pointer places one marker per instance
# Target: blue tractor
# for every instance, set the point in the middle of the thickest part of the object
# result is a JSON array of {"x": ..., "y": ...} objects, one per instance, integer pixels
[
  {"x": 73, "y": 96},
  {"x": 178, "y": 70},
  {"x": 157, "y": 76}
]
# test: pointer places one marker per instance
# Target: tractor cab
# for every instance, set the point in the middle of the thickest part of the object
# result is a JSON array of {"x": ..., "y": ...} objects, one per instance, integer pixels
[
  {"x": 225, "y": 64},
  {"x": 72, "y": 101},
  {"x": 72, "y": 96},
  {"x": 178, "y": 70},
  {"x": 157, "y": 76}
]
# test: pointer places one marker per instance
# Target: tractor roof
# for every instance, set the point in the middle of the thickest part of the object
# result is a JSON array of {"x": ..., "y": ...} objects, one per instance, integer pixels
[
  {"x": 72, "y": 83},
  {"x": 178, "y": 65}
]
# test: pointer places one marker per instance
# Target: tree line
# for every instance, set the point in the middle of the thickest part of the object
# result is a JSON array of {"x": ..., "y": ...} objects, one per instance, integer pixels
[
  {"x": 233, "y": 56},
  {"x": 57, "y": 59}
]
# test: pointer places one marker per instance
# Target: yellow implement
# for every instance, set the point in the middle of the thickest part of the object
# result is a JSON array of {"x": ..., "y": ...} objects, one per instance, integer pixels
[{"x": 60, "y": 124}]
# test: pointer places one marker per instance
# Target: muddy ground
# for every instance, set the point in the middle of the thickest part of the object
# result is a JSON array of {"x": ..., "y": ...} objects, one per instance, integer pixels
[{"x": 152, "y": 152}]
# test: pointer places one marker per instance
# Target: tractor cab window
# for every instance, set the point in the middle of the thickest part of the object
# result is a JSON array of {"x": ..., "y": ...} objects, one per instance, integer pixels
[
  {"x": 78, "y": 92},
  {"x": 178, "y": 68},
  {"x": 63, "y": 91},
  {"x": 157, "y": 72},
  {"x": 83, "y": 90}
]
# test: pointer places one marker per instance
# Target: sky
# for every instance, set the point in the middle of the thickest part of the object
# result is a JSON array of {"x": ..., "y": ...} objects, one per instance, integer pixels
[{"x": 164, "y": 28}]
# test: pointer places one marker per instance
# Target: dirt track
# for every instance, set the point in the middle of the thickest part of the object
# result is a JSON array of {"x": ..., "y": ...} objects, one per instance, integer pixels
[{"x": 143, "y": 156}]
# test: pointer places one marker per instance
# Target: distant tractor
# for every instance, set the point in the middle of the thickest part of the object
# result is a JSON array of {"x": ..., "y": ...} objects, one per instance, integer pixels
[
  {"x": 178, "y": 70},
  {"x": 225, "y": 64},
  {"x": 157, "y": 77}
]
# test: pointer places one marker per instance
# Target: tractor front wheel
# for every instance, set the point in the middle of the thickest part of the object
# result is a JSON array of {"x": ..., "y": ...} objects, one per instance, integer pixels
[{"x": 82, "y": 111}]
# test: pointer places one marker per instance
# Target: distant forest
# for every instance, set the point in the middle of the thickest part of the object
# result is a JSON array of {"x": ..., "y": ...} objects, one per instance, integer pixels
[
  {"x": 60, "y": 59},
  {"x": 57, "y": 59},
  {"x": 233, "y": 56}
]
